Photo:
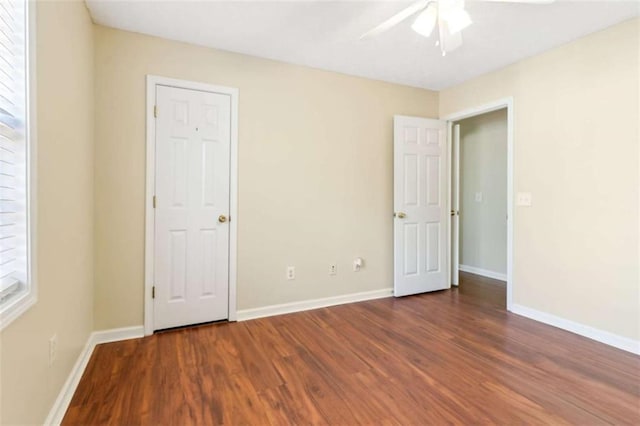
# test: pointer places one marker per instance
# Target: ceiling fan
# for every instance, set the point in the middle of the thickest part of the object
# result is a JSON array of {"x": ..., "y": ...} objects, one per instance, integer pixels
[{"x": 450, "y": 16}]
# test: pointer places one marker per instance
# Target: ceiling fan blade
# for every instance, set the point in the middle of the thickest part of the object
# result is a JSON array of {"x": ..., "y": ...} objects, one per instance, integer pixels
[{"x": 397, "y": 18}]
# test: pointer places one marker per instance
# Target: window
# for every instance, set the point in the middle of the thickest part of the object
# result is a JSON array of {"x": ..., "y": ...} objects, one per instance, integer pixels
[{"x": 17, "y": 148}]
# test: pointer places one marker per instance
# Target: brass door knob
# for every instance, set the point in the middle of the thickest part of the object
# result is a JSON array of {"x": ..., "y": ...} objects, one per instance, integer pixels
[
  {"x": 401, "y": 215},
  {"x": 222, "y": 218}
]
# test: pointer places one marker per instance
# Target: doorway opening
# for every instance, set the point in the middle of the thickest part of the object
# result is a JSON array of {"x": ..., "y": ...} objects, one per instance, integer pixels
[
  {"x": 479, "y": 200},
  {"x": 481, "y": 236}
]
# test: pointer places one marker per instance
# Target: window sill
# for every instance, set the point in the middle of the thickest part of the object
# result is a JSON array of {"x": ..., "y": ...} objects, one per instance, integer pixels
[
  {"x": 15, "y": 306},
  {"x": 8, "y": 287}
]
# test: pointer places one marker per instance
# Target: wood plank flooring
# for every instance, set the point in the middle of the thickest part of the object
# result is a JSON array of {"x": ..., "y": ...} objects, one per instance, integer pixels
[{"x": 453, "y": 356}]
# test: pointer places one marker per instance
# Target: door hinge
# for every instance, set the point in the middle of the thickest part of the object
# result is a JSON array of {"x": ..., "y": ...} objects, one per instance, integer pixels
[
  {"x": 153, "y": 292},
  {"x": 154, "y": 201},
  {"x": 155, "y": 111}
]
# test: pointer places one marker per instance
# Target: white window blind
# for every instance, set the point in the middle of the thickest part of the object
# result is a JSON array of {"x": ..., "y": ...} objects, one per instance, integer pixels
[{"x": 14, "y": 242}]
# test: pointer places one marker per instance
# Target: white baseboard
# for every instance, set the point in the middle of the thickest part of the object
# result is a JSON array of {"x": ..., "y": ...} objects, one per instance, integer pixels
[
  {"x": 59, "y": 408},
  {"x": 620, "y": 342},
  {"x": 483, "y": 272},
  {"x": 117, "y": 334},
  {"x": 305, "y": 305}
]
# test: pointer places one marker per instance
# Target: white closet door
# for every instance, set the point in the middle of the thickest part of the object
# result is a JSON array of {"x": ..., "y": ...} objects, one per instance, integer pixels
[{"x": 192, "y": 205}]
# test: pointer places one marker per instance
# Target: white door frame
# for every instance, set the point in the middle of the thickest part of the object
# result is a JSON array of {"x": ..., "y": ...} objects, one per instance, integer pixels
[
  {"x": 472, "y": 112},
  {"x": 454, "y": 235},
  {"x": 152, "y": 82}
]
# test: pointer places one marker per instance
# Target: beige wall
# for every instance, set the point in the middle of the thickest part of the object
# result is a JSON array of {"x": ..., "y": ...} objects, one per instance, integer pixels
[
  {"x": 483, "y": 169},
  {"x": 65, "y": 222},
  {"x": 576, "y": 150},
  {"x": 315, "y": 172}
]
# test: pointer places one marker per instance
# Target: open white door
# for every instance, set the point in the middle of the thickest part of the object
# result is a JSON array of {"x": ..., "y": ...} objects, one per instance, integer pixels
[
  {"x": 191, "y": 245},
  {"x": 455, "y": 206},
  {"x": 420, "y": 202}
]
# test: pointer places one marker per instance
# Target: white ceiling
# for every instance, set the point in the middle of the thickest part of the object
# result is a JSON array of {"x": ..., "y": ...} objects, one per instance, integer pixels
[{"x": 324, "y": 34}]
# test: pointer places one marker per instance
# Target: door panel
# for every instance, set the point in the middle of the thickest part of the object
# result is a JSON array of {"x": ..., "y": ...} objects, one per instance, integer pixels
[
  {"x": 178, "y": 258},
  {"x": 410, "y": 248},
  {"x": 421, "y": 220},
  {"x": 192, "y": 190},
  {"x": 432, "y": 262}
]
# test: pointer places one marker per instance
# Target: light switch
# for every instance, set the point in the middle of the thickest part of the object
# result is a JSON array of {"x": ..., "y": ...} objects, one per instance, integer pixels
[
  {"x": 478, "y": 197},
  {"x": 523, "y": 199}
]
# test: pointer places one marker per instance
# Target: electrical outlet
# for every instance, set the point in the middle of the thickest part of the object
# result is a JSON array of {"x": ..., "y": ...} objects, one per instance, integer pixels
[
  {"x": 333, "y": 269},
  {"x": 478, "y": 197},
  {"x": 53, "y": 349},
  {"x": 291, "y": 272}
]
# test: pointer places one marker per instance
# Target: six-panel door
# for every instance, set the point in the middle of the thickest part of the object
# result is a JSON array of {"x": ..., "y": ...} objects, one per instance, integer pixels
[
  {"x": 191, "y": 273},
  {"x": 420, "y": 203}
]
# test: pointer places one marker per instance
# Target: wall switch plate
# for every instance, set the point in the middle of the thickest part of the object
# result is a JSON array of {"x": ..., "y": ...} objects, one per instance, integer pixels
[
  {"x": 357, "y": 264},
  {"x": 523, "y": 199},
  {"x": 478, "y": 197},
  {"x": 291, "y": 272},
  {"x": 333, "y": 269}
]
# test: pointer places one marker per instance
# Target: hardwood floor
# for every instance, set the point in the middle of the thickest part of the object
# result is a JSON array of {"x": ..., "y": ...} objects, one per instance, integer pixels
[{"x": 447, "y": 357}]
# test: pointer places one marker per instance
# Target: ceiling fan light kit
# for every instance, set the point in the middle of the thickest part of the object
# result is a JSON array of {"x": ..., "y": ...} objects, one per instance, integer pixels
[
  {"x": 457, "y": 20},
  {"x": 451, "y": 19},
  {"x": 448, "y": 41},
  {"x": 449, "y": 15}
]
